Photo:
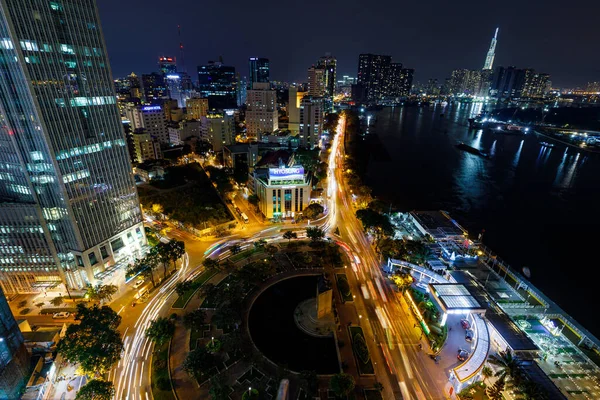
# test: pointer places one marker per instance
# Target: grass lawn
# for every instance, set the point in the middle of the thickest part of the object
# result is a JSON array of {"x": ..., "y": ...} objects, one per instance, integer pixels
[
  {"x": 160, "y": 372},
  {"x": 356, "y": 334},
  {"x": 475, "y": 391},
  {"x": 344, "y": 287},
  {"x": 199, "y": 281}
]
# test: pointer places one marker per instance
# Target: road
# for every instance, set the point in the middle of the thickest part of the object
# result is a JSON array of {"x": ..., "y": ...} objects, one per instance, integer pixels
[
  {"x": 387, "y": 322},
  {"x": 393, "y": 342}
]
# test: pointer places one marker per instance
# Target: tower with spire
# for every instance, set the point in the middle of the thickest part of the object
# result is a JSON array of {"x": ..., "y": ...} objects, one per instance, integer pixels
[{"x": 489, "y": 59}]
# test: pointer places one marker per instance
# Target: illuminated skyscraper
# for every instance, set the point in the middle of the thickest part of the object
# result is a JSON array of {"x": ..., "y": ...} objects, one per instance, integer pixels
[
  {"x": 167, "y": 65},
  {"x": 259, "y": 70},
  {"x": 218, "y": 83},
  {"x": 329, "y": 65},
  {"x": 489, "y": 59},
  {"x": 68, "y": 203}
]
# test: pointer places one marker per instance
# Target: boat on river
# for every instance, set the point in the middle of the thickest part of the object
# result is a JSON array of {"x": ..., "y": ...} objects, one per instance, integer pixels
[{"x": 473, "y": 150}]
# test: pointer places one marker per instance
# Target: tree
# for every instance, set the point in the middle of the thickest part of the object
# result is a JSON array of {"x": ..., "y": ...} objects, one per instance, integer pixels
[
  {"x": 194, "y": 320},
  {"x": 162, "y": 252},
  {"x": 509, "y": 367},
  {"x": 312, "y": 211},
  {"x": 96, "y": 389},
  {"x": 289, "y": 235},
  {"x": 260, "y": 243},
  {"x": 494, "y": 392},
  {"x": 310, "y": 382},
  {"x": 160, "y": 330},
  {"x": 183, "y": 287},
  {"x": 211, "y": 264},
  {"x": 486, "y": 372},
  {"x": 529, "y": 390},
  {"x": 254, "y": 200},
  {"x": 219, "y": 389},
  {"x": 177, "y": 251},
  {"x": 101, "y": 292},
  {"x": 94, "y": 343},
  {"x": 158, "y": 209},
  {"x": 57, "y": 301},
  {"x": 342, "y": 384},
  {"x": 198, "y": 363},
  {"x": 235, "y": 249},
  {"x": 315, "y": 234}
]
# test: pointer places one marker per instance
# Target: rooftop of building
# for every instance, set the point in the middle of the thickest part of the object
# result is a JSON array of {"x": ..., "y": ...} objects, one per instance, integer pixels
[
  {"x": 274, "y": 159},
  {"x": 437, "y": 223},
  {"x": 40, "y": 336}
]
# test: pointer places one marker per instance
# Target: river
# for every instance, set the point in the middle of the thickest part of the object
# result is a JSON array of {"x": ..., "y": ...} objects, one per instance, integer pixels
[{"x": 537, "y": 205}]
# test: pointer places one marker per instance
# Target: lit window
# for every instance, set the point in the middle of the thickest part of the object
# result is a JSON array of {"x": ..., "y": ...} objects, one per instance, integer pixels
[
  {"x": 66, "y": 49},
  {"x": 6, "y": 44},
  {"x": 29, "y": 45}
]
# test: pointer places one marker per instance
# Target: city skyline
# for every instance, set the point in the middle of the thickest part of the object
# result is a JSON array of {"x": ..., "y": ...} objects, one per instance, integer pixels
[{"x": 434, "y": 52}]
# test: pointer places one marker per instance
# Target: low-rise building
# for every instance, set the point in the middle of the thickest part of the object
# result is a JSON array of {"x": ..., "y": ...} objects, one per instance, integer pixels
[
  {"x": 145, "y": 146},
  {"x": 284, "y": 192}
]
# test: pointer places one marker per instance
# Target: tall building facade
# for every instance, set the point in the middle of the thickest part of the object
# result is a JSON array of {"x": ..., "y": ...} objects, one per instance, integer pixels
[
  {"x": 218, "y": 83},
  {"x": 69, "y": 206},
  {"x": 150, "y": 119},
  {"x": 14, "y": 361},
  {"x": 489, "y": 59},
  {"x": 261, "y": 114},
  {"x": 218, "y": 129},
  {"x": 155, "y": 87},
  {"x": 512, "y": 82},
  {"x": 316, "y": 81},
  {"x": 373, "y": 76},
  {"x": 311, "y": 120},
  {"x": 329, "y": 65},
  {"x": 258, "y": 69},
  {"x": 196, "y": 107}
]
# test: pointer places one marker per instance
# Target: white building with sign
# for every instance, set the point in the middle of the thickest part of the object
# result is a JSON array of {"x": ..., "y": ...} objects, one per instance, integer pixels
[{"x": 283, "y": 192}]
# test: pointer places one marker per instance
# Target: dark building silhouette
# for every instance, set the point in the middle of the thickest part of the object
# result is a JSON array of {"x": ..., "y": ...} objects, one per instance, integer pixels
[
  {"x": 258, "y": 69},
  {"x": 218, "y": 83}
]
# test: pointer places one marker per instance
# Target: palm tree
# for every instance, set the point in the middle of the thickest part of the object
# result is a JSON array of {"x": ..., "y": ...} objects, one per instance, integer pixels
[
  {"x": 509, "y": 366},
  {"x": 528, "y": 390},
  {"x": 486, "y": 372},
  {"x": 494, "y": 392}
]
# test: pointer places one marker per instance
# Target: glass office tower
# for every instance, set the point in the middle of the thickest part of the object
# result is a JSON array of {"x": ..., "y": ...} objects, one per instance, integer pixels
[
  {"x": 69, "y": 208},
  {"x": 14, "y": 361}
]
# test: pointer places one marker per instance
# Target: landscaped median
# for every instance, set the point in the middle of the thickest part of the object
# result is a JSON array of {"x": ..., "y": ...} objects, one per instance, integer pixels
[
  {"x": 161, "y": 381},
  {"x": 361, "y": 351},
  {"x": 182, "y": 300},
  {"x": 344, "y": 287}
]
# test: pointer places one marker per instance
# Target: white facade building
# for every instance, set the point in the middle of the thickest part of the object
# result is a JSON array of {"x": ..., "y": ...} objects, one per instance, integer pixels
[
  {"x": 151, "y": 119},
  {"x": 311, "y": 120},
  {"x": 218, "y": 129},
  {"x": 283, "y": 192}
]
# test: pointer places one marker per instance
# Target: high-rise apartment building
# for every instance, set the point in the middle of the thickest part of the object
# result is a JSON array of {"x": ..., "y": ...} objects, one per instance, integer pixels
[
  {"x": 329, "y": 65},
  {"x": 373, "y": 71},
  {"x": 149, "y": 118},
  {"x": 218, "y": 83},
  {"x": 316, "y": 81},
  {"x": 293, "y": 108},
  {"x": 145, "y": 146},
  {"x": 196, "y": 108},
  {"x": 14, "y": 361},
  {"x": 218, "y": 129},
  {"x": 311, "y": 120},
  {"x": 69, "y": 204},
  {"x": 261, "y": 114},
  {"x": 258, "y": 70}
]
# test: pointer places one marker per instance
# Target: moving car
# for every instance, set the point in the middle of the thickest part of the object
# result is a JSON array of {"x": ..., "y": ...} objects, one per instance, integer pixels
[
  {"x": 462, "y": 354},
  {"x": 465, "y": 324},
  {"x": 138, "y": 283},
  {"x": 469, "y": 335},
  {"x": 60, "y": 315}
]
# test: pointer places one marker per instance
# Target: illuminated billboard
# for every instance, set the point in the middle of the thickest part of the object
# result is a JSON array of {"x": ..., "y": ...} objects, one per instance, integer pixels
[{"x": 293, "y": 173}]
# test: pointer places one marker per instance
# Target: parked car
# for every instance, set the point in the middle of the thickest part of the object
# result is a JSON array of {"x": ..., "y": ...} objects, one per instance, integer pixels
[
  {"x": 462, "y": 354},
  {"x": 465, "y": 324},
  {"x": 469, "y": 335},
  {"x": 60, "y": 315},
  {"x": 138, "y": 283}
]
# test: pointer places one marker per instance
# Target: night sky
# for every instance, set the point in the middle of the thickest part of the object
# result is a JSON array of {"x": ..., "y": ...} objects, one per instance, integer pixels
[{"x": 434, "y": 37}]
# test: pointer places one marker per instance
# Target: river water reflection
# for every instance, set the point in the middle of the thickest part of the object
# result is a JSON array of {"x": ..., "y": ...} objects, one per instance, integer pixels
[{"x": 536, "y": 204}]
